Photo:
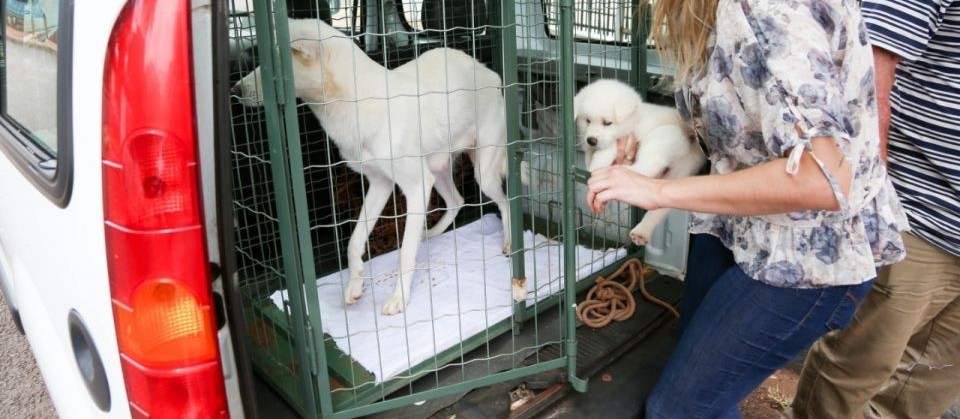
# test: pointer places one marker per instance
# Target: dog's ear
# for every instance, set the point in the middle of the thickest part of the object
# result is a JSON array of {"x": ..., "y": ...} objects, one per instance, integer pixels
[
  {"x": 624, "y": 107},
  {"x": 305, "y": 49}
]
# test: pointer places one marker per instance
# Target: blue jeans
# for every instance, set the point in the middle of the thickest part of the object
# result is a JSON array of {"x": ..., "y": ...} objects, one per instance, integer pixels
[{"x": 735, "y": 331}]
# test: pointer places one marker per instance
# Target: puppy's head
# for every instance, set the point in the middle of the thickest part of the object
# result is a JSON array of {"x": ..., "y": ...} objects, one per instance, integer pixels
[{"x": 605, "y": 110}]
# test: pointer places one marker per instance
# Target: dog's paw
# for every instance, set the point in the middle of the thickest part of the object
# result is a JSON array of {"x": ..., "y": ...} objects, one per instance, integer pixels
[
  {"x": 395, "y": 304},
  {"x": 506, "y": 248},
  {"x": 525, "y": 173},
  {"x": 519, "y": 290},
  {"x": 639, "y": 237},
  {"x": 354, "y": 290}
]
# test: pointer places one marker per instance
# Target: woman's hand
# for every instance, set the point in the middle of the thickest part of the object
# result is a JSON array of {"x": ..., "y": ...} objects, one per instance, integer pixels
[
  {"x": 620, "y": 183},
  {"x": 626, "y": 150}
]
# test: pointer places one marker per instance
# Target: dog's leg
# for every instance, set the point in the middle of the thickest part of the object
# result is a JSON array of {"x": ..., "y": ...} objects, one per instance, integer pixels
[
  {"x": 486, "y": 168},
  {"x": 377, "y": 194},
  {"x": 661, "y": 160},
  {"x": 416, "y": 196},
  {"x": 649, "y": 165},
  {"x": 490, "y": 183},
  {"x": 651, "y": 219},
  {"x": 598, "y": 159},
  {"x": 653, "y": 164},
  {"x": 451, "y": 198}
]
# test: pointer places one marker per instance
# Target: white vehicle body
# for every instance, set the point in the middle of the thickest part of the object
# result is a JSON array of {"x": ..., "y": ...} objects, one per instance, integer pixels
[
  {"x": 46, "y": 278},
  {"x": 52, "y": 258}
]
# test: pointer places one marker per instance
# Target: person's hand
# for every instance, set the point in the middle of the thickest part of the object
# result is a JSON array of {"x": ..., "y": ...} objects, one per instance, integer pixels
[
  {"x": 626, "y": 150},
  {"x": 619, "y": 183}
]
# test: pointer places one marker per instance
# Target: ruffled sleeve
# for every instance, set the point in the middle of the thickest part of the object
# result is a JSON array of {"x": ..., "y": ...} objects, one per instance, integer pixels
[{"x": 793, "y": 60}]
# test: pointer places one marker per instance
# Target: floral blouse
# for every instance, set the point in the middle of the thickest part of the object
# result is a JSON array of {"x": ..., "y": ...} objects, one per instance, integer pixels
[{"x": 782, "y": 72}]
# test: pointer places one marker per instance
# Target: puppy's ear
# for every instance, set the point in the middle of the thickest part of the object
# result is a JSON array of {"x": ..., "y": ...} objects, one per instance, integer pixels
[{"x": 624, "y": 107}]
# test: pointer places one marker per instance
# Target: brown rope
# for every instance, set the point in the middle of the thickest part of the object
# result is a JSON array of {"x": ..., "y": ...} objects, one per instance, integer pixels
[{"x": 612, "y": 297}]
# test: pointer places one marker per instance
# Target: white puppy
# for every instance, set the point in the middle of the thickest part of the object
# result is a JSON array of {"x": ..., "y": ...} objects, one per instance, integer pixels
[
  {"x": 403, "y": 126},
  {"x": 606, "y": 110}
]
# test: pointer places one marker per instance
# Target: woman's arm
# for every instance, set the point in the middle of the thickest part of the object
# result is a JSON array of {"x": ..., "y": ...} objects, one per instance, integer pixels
[{"x": 760, "y": 190}]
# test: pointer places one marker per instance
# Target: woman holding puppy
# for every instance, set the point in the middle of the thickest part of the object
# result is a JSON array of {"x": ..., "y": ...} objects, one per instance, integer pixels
[{"x": 797, "y": 213}]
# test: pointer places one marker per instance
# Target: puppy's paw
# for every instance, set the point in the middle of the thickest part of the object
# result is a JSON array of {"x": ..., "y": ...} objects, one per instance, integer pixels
[
  {"x": 639, "y": 236},
  {"x": 506, "y": 248},
  {"x": 395, "y": 304},
  {"x": 354, "y": 290}
]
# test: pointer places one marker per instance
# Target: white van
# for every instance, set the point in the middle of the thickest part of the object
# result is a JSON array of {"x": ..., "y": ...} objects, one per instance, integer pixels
[{"x": 116, "y": 222}]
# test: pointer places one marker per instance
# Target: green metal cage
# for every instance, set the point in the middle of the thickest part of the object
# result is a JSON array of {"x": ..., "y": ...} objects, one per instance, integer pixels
[{"x": 295, "y": 202}]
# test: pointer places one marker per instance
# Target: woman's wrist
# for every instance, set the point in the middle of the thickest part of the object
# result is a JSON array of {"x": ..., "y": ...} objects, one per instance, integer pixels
[
  {"x": 684, "y": 193},
  {"x": 665, "y": 193}
]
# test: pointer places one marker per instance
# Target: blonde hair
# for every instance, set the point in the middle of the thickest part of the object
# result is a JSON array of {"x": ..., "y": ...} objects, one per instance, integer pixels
[{"x": 680, "y": 31}]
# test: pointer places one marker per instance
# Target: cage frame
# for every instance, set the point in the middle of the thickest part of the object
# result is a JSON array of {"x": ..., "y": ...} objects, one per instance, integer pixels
[{"x": 312, "y": 349}]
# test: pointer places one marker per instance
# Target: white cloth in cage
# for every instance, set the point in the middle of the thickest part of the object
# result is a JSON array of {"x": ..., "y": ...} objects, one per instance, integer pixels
[{"x": 461, "y": 288}]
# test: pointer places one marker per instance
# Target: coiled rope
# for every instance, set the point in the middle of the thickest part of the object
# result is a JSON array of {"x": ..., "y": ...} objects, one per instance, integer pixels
[{"x": 612, "y": 297}]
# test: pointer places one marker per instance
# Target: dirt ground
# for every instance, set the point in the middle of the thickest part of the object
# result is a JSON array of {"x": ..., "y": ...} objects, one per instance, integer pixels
[
  {"x": 774, "y": 395},
  {"x": 777, "y": 391}
]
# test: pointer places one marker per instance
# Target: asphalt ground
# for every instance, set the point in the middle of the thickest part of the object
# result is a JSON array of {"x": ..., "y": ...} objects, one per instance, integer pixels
[{"x": 22, "y": 392}]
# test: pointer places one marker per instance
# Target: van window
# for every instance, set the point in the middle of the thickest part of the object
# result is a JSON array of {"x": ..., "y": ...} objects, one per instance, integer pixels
[
  {"x": 35, "y": 94},
  {"x": 30, "y": 70},
  {"x": 604, "y": 22}
]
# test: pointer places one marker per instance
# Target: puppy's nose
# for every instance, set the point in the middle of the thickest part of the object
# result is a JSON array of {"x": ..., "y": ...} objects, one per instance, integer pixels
[
  {"x": 592, "y": 141},
  {"x": 236, "y": 90}
]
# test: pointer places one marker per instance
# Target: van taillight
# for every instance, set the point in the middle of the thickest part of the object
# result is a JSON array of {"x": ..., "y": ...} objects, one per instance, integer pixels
[{"x": 159, "y": 279}]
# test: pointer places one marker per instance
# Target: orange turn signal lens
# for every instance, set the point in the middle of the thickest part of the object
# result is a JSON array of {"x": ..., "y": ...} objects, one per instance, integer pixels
[{"x": 166, "y": 326}]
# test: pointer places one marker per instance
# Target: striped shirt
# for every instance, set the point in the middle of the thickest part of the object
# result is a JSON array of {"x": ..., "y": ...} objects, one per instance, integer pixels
[{"x": 924, "y": 142}]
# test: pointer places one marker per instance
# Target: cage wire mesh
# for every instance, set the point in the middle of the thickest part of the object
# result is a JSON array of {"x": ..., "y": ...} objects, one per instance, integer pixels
[{"x": 462, "y": 327}]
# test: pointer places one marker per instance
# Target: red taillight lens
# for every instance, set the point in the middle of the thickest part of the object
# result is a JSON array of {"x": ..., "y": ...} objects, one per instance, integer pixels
[
  {"x": 156, "y": 254},
  {"x": 187, "y": 394},
  {"x": 157, "y": 174}
]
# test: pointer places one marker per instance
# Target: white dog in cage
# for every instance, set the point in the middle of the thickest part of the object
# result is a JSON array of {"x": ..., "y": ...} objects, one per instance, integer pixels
[
  {"x": 607, "y": 110},
  {"x": 403, "y": 126}
]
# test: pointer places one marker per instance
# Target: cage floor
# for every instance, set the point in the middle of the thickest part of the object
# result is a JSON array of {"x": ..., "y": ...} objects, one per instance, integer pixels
[{"x": 461, "y": 288}]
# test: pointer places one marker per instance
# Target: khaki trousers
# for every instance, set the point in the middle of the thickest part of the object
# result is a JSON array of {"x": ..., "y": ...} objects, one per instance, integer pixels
[{"x": 900, "y": 356}]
